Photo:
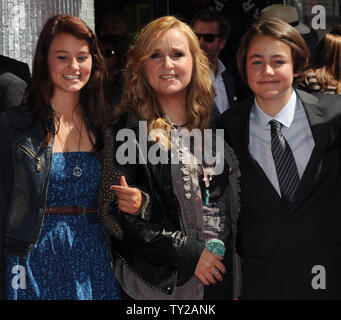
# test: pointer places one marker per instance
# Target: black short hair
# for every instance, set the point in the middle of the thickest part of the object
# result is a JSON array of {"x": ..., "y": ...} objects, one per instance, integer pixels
[{"x": 208, "y": 15}]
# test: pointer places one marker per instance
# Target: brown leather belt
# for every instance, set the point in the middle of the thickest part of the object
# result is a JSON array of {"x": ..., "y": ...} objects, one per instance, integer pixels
[{"x": 70, "y": 210}]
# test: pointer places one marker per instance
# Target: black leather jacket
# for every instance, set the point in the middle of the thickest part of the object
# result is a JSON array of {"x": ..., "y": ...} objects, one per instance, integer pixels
[
  {"x": 25, "y": 164},
  {"x": 152, "y": 245}
]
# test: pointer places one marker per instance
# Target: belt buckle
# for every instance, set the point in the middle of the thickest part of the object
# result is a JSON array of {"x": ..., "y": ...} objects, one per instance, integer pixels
[{"x": 84, "y": 210}]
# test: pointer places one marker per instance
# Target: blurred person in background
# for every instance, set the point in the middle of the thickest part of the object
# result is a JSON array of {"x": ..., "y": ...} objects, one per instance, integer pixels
[
  {"x": 212, "y": 30},
  {"x": 12, "y": 89},
  {"x": 114, "y": 49},
  {"x": 324, "y": 74},
  {"x": 20, "y": 69}
]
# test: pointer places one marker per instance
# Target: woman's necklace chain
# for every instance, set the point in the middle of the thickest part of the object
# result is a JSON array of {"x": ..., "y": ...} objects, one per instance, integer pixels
[
  {"x": 77, "y": 171},
  {"x": 172, "y": 124}
]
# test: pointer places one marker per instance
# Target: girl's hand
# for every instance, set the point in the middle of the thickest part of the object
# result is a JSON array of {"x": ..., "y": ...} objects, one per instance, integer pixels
[{"x": 130, "y": 200}]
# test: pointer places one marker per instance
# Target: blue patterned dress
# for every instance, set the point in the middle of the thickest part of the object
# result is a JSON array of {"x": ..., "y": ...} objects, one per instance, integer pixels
[{"x": 70, "y": 260}]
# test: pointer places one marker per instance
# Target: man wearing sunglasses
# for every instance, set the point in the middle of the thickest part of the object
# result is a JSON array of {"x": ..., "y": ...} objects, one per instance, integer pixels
[{"x": 212, "y": 30}]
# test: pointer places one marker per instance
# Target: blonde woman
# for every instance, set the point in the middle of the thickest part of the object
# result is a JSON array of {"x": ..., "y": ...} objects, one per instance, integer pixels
[{"x": 170, "y": 244}]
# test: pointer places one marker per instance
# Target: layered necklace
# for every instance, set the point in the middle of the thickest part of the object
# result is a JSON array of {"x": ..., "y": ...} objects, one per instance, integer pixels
[
  {"x": 77, "y": 170},
  {"x": 172, "y": 124}
]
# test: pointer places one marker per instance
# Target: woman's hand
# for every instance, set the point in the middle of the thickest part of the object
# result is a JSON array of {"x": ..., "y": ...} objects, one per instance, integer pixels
[
  {"x": 129, "y": 199},
  {"x": 209, "y": 268}
]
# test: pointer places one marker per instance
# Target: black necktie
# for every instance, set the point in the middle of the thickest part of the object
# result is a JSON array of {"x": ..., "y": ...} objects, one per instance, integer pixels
[{"x": 286, "y": 169}]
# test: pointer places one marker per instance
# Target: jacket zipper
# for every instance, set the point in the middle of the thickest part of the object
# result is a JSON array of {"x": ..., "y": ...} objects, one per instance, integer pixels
[
  {"x": 45, "y": 197},
  {"x": 31, "y": 154},
  {"x": 45, "y": 193}
]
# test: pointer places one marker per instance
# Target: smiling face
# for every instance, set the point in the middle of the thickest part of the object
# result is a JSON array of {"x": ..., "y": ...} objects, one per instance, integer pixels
[
  {"x": 69, "y": 62},
  {"x": 269, "y": 69},
  {"x": 169, "y": 68}
]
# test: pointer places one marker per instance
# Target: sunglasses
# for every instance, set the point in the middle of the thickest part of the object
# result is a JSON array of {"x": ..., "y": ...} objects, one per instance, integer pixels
[{"x": 208, "y": 37}]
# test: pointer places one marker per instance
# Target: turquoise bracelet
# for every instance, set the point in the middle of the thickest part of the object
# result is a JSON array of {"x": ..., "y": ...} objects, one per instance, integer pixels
[{"x": 215, "y": 246}]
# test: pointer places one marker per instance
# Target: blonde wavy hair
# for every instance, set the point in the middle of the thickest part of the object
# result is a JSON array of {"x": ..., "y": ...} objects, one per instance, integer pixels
[{"x": 139, "y": 96}]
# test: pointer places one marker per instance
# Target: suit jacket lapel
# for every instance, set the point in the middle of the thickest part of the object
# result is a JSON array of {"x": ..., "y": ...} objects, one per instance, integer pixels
[
  {"x": 320, "y": 129},
  {"x": 251, "y": 164},
  {"x": 230, "y": 86}
]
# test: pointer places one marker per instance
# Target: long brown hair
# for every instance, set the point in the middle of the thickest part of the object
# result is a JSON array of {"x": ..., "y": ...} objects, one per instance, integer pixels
[
  {"x": 326, "y": 65},
  {"x": 92, "y": 97},
  {"x": 139, "y": 96}
]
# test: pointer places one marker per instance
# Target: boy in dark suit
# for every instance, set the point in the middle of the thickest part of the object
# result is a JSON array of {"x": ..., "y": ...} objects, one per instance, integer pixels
[{"x": 287, "y": 142}]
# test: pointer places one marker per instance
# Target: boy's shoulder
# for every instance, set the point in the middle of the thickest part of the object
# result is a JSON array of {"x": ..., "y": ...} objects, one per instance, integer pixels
[
  {"x": 323, "y": 108},
  {"x": 328, "y": 100},
  {"x": 327, "y": 103}
]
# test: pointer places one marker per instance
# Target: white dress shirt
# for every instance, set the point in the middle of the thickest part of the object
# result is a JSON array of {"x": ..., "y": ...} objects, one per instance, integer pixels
[
  {"x": 295, "y": 129},
  {"x": 221, "y": 98}
]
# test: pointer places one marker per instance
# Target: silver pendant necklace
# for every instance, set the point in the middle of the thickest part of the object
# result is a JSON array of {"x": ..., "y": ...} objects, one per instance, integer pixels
[{"x": 77, "y": 171}]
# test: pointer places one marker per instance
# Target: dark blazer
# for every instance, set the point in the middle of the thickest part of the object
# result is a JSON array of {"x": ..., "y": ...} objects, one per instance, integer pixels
[
  {"x": 16, "y": 67},
  {"x": 12, "y": 89},
  {"x": 231, "y": 83},
  {"x": 280, "y": 247},
  {"x": 235, "y": 91}
]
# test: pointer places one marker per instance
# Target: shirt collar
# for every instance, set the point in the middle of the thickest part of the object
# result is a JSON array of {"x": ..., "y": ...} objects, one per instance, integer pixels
[
  {"x": 285, "y": 116},
  {"x": 220, "y": 69}
]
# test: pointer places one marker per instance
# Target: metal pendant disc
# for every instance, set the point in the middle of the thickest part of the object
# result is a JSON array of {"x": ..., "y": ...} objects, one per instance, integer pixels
[{"x": 77, "y": 172}]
